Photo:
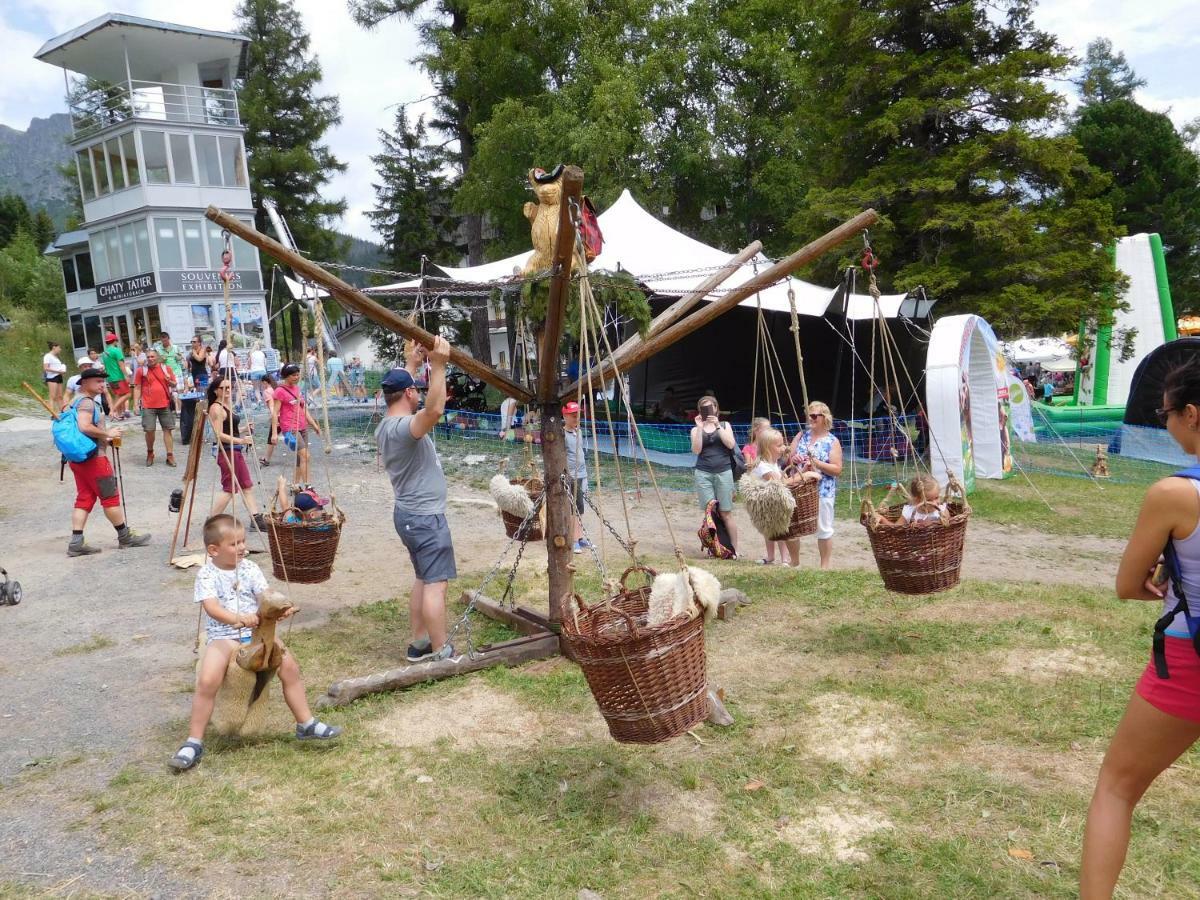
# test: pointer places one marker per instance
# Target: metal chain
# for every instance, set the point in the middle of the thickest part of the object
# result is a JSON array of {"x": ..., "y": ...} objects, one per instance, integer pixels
[{"x": 627, "y": 546}]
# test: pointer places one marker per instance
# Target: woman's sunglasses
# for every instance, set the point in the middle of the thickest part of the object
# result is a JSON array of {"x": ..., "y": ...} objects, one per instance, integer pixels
[
  {"x": 1163, "y": 412},
  {"x": 814, "y": 416}
]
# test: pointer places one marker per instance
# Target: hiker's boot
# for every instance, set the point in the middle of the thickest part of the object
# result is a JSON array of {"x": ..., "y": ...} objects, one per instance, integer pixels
[
  {"x": 81, "y": 549},
  {"x": 130, "y": 538}
]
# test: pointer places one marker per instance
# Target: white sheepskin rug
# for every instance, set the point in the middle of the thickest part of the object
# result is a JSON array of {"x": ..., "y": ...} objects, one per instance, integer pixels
[
  {"x": 511, "y": 498},
  {"x": 769, "y": 503},
  {"x": 675, "y": 593}
]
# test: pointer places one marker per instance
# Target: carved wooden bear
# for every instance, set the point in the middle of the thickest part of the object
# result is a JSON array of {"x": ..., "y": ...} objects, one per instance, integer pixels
[{"x": 543, "y": 218}]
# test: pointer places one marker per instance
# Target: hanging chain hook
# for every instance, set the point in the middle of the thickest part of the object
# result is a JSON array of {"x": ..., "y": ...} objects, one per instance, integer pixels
[{"x": 227, "y": 256}]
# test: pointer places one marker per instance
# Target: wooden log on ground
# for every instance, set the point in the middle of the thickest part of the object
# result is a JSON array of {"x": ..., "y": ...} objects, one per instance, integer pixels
[
  {"x": 510, "y": 653},
  {"x": 782, "y": 269},
  {"x": 676, "y": 310},
  {"x": 354, "y": 299}
]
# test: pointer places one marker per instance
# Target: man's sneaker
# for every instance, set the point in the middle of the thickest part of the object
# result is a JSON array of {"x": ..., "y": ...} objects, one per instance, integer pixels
[
  {"x": 81, "y": 549},
  {"x": 418, "y": 651},
  {"x": 577, "y": 547},
  {"x": 133, "y": 539},
  {"x": 317, "y": 730},
  {"x": 447, "y": 652}
]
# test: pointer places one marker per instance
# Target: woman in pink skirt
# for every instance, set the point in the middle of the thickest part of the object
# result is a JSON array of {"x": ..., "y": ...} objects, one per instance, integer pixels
[{"x": 231, "y": 451}]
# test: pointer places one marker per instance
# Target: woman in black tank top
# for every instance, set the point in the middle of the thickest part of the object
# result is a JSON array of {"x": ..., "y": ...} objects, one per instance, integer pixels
[
  {"x": 712, "y": 441},
  {"x": 231, "y": 455},
  {"x": 198, "y": 364}
]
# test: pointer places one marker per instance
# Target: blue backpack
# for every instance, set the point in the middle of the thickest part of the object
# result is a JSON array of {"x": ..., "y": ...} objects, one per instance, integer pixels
[
  {"x": 73, "y": 444},
  {"x": 1171, "y": 558}
]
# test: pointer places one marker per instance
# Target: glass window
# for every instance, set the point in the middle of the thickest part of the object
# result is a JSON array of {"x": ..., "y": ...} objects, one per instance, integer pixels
[
  {"x": 181, "y": 159},
  {"x": 193, "y": 244},
  {"x": 83, "y": 266},
  {"x": 112, "y": 240},
  {"x": 132, "y": 264},
  {"x": 153, "y": 325},
  {"x": 154, "y": 155},
  {"x": 245, "y": 256},
  {"x": 103, "y": 182},
  {"x": 166, "y": 240},
  {"x": 216, "y": 243},
  {"x": 208, "y": 159},
  {"x": 141, "y": 235},
  {"x": 69, "y": 280},
  {"x": 78, "y": 336},
  {"x": 129, "y": 148},
  {"x": 86, "y": 181},
  {"x": 112, "y": 149},
  {"x": 232, "y": 164},
  {"x": 99, "y": 256},
  {"x": 91, "y": 330}
]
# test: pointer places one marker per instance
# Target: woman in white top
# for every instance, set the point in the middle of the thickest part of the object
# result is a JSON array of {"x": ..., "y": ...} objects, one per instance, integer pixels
[
  {"x": 52, "y": 373},
  {"x": 258, "y": 368},
  {"x": 1162, "y": 719}
]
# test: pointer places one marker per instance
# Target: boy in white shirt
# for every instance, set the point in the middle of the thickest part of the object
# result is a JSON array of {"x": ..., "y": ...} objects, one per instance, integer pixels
[{"x": 229, "y": 587}]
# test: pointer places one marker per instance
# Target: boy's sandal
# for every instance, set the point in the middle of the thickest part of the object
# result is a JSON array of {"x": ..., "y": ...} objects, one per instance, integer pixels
[
  {"x": 182, "y": 761},
  {"x": 317, "y": 731}
]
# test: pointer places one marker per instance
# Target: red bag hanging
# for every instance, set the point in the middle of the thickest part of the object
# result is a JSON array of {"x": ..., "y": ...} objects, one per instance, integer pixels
[{"x": 593, "y": 239}]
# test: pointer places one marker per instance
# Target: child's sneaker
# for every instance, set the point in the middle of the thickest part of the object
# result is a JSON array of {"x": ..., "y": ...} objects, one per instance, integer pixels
[
  {"x": 316, "y": 730},
  {"x": 187, "y": 756}
]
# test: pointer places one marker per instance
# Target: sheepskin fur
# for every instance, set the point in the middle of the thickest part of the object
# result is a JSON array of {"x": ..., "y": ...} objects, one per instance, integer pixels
[
  {"x": 511, "y": 498},
  {"x": 674, "y": 593},
  {"x": 769, "y": 503},
  {"x": 240, "y": 708}
]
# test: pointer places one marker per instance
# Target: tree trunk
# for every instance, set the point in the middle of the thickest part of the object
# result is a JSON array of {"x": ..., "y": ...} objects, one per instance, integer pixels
[
  {"x": 297, "y": 342},
  {"x": 481, "y": 338}
]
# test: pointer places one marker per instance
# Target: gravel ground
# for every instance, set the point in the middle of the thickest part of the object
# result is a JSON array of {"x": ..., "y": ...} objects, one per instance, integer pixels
[{"x": 71, "y": 717}]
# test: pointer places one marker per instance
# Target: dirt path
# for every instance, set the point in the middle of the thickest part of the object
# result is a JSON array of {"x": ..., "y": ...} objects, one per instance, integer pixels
[{"x": 98, "y": 655}]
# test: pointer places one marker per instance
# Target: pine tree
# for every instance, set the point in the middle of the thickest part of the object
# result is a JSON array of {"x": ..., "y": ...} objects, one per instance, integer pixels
[
  {"x": 286, "y": 121},
  {"x": 1105, "y": 75},
  {"x": 14, "y": 217},
  {"x": 940, "y": 116}
]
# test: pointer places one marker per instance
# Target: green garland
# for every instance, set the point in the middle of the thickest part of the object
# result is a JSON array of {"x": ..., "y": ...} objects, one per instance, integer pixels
[{"x": 620, "y": 290}]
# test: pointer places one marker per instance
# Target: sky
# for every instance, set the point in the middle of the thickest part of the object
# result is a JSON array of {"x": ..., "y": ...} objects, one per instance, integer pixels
[{"x": 371, "y": 72}]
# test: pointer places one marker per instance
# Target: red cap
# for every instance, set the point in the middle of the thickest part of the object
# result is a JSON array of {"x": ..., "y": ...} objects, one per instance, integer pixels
[
  {"x": 570, "y": 408},
  {"x": 109, "y": 338}
]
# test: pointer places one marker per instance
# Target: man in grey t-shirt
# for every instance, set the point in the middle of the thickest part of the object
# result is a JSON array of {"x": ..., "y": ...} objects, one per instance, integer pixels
[{"x": 419, "y": 484}]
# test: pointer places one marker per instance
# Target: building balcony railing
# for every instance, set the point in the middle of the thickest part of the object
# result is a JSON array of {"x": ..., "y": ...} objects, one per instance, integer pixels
[{"x": 190, "y": 103}]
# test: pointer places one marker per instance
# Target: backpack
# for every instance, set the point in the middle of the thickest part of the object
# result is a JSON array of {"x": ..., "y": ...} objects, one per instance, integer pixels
[
  {"x": 1175, "y": 573},
  {"x": 73, "y": 444},
  {"x": 714, "y": 536},
  {"x": 593, "y": 239},
  {"x": 737, "y": 462}
]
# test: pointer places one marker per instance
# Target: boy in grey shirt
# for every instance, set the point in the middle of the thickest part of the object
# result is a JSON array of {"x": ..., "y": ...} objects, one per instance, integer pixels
[{"x": 419, "y": 484}]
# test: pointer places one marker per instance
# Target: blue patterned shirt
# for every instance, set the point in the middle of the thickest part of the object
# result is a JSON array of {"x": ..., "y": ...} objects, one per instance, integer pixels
[{"x": 819, "y": 449}]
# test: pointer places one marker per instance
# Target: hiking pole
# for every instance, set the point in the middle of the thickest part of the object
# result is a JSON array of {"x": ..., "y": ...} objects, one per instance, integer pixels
[{"x": 116, "y": 445}]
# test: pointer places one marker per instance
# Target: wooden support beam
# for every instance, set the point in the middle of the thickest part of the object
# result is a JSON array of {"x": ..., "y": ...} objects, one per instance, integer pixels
[
  {"x": 520, "y": 619},
  {"x": 560, "y": 283},
  {"x": 510, "y": 653},
  {"x": 764, "y": 279},
  {"x": 675, "y": 311},
  {"x": 354, "y": 299}
]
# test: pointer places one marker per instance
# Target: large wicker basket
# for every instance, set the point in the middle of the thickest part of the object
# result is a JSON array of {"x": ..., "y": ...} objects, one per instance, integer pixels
[
  {"x": 649, "y": 681},
  {"x": 303, "y": 552},
  {"x": 918, "y": 558},
  {"x": 804, "y": 516},
  {"x": 512, "y": 523}
]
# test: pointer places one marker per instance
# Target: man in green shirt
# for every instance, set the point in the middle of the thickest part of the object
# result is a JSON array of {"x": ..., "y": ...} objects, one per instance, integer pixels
[
  {"x": 118, "y": 376},
  {"x": 172, "y": 357}
]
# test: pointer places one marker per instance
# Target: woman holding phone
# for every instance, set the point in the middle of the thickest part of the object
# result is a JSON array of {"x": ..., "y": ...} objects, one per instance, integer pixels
[{"x": 712, "y": 442}]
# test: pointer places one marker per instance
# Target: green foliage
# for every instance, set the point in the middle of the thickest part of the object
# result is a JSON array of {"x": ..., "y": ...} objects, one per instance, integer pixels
[
  {"x": 24, "y": 341},
  {"x": 1155, "y": 183},
  {"x": 938, "y": 115},
  {"x": 1106, "y": 76},
  {"x": 31, "y": 281},
  {"x": 617, "y": 291}
]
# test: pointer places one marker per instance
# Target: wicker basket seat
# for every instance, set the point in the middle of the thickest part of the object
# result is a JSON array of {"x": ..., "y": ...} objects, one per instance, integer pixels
[
  {"x": 922, "y": 557},
  {"x": 512, "y": 523},
  {"x": 303, "y": 552},
  {"x": 804, "y": 516}
]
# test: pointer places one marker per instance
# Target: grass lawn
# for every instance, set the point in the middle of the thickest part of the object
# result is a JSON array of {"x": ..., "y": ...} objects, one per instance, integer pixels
[{"x": 884, "y": 746}]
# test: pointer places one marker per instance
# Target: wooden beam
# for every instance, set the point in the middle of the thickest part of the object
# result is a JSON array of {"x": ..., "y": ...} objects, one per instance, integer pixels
[
  {"x": 354, "y": 299},
  {"x": 519, "y": 619},
  {"x": 764, "y": 279},
  {"x": 510, "y": 653},
  {"x": 560, "y": 283},
  {"x": 675, "y": 311}
]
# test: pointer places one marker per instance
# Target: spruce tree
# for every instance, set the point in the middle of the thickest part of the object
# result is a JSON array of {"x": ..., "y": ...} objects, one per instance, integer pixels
[
  {"x": 286, "y": 120},
  {"x": 1105, "y": 75},
  {"x": 941, "y": 117}
]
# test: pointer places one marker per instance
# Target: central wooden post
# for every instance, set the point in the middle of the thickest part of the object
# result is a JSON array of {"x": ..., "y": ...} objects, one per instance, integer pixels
[{"x": 554, "y": 451}]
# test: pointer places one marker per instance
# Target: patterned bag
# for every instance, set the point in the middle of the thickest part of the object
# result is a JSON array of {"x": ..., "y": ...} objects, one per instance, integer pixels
[{"x": 714, "y": 536}]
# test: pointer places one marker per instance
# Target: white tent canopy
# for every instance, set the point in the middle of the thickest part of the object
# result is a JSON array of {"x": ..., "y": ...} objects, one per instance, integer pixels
[
  {"x": 649, "y": 250},
  {"x": 1037, "y": 350}
]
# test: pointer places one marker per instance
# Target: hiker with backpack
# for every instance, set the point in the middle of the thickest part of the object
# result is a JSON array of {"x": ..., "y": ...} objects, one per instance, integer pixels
[
  {"x": 81, "y": 434},
  {"x": 1161, "y": 564}
]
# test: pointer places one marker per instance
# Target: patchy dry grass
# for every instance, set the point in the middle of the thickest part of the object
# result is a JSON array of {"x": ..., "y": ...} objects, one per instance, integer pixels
[
  {"x": 91, "y": 645},
  {"x": 884, "y": 746}
]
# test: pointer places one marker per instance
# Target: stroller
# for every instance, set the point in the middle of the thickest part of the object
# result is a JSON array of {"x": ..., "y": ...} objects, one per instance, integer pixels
[{"x": 10, "y": 591}]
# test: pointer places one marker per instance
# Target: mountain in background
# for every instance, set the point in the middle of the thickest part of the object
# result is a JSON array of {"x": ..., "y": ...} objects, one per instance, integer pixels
[{"x": 30, "y": 163}]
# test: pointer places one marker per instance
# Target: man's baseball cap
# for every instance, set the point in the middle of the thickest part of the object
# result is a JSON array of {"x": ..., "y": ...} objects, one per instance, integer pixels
[
  {"x": 288, "y": 370},
  {"x": 85, "y": 361},
  {"x": 109, "y": 338},
  {"x": 92, "y": 373},
  {"x": 570, "y": 408},
  {"x": 396, "y": 381}
]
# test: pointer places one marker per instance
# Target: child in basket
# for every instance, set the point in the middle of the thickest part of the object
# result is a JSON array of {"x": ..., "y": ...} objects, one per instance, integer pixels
[
  {"x": 229, "y": 587},
  {"x": 305, "y": 505},
  {"x": 770, "y": 447},
  {"x": 924, "y": 503}
]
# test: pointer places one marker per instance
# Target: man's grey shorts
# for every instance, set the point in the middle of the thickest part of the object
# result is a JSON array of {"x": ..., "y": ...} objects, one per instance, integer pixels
[
  {"x": 427, "y": 539},
  {"x": 164, "y": 417}
]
